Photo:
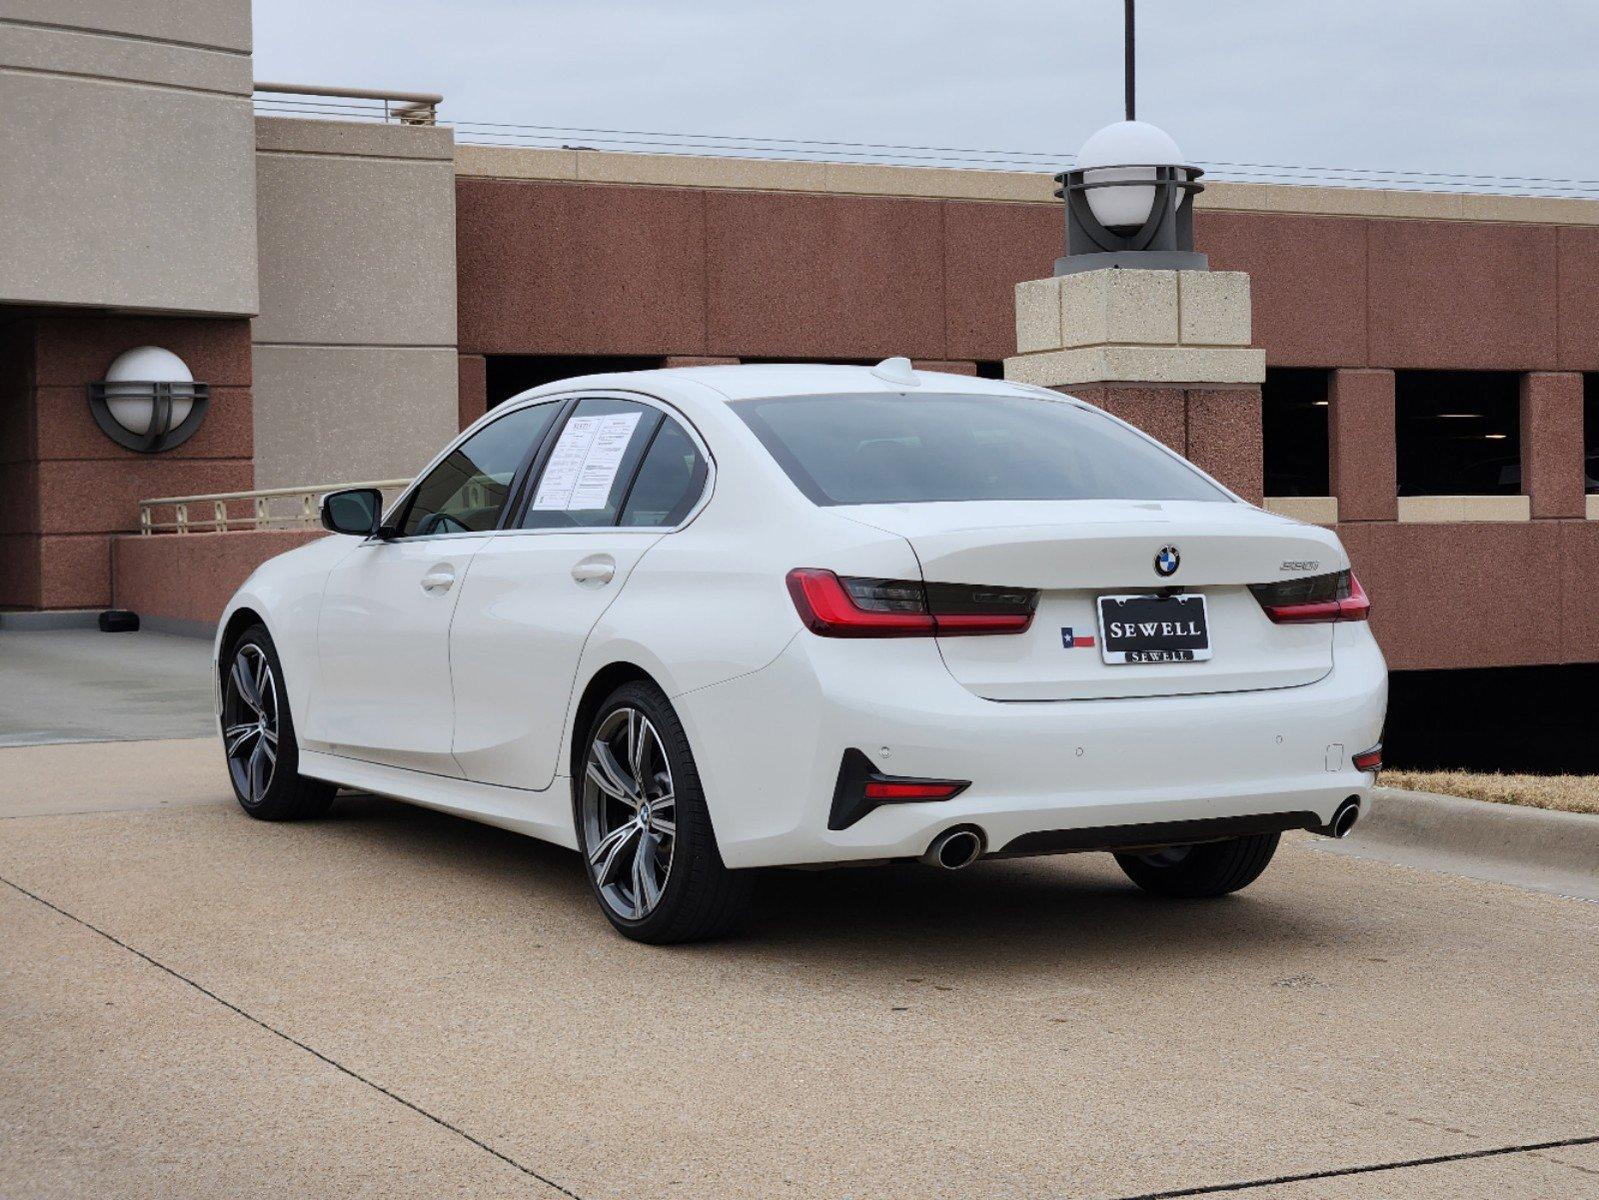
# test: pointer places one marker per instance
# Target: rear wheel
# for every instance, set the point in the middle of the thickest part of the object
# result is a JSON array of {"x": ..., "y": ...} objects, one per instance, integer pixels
[
  {"x": 258, "y": 736},
  {"x": 643, "y": 827},
  {"x": 1208, "y": 869}
]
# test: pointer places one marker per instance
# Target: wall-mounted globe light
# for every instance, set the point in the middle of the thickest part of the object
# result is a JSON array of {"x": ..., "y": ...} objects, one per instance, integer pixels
[
  {"x": 148, "y": 400},
  {"x": 1130, "y": 203}
]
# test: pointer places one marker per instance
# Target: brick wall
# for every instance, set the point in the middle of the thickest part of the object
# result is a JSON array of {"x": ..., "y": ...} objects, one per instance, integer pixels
[{"x": 66, "y": 488}]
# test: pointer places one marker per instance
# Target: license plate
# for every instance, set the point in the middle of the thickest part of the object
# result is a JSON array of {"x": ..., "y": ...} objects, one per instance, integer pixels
[{"x": 1153, "y": 629}]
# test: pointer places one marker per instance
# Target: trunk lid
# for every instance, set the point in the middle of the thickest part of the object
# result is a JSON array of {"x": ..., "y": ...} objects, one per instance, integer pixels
[{"x": 1076, "y": 551}]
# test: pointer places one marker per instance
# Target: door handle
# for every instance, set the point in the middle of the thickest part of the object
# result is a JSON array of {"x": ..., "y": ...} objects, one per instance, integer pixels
[
  {"x": 440, "y": 579},
  {"x": 596, "y": 570}
]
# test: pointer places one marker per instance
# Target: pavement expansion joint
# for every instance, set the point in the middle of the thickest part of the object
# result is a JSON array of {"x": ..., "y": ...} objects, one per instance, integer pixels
[
  {"x": 293, "y": 1041},
  {"x": 1211, "y": 1189},
  {"x": 85, "y": 812}
]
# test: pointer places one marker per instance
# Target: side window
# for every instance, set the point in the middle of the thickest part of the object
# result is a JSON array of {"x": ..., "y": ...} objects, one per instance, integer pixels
[
  {"x": 586, "y": 474},
  {"x": 670, "y": 481},
  {"x": 465, "y": 492}
]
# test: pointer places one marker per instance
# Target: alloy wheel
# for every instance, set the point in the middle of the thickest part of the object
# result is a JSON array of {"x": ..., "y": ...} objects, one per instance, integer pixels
[
  {"x": 629, "y": 813},
  {"x": 250, "y": 723}
]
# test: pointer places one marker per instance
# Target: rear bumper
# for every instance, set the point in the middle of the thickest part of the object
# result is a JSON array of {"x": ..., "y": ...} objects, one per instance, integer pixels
[{"x": 769, "y": 745}]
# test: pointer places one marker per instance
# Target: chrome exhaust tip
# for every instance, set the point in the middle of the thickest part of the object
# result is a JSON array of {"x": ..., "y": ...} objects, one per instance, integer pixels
[
  {"x": 954, "y": 849},
  {"x": 1343, "y": 820}
]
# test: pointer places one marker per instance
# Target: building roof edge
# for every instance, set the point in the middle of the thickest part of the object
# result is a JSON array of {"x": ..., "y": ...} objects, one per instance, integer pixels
[{"x": 950, "y": 183}]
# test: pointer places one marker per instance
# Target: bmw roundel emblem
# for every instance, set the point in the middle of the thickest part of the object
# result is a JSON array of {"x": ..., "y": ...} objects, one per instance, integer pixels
[{"x": 1167, "y": 561}]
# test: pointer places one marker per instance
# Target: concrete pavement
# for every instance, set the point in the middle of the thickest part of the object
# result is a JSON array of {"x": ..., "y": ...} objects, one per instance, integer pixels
[
  {"x": 393, "y": 1001},
  {"x": 81, "y": 685}
]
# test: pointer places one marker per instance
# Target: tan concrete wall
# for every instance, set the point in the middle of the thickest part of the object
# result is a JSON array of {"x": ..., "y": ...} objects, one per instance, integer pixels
[
  {"x": 344, "y": 414},
  {"x": 221, "y": 23},
  {"x": 355, "y": 359},
  {"x": 127, "y": 177}
]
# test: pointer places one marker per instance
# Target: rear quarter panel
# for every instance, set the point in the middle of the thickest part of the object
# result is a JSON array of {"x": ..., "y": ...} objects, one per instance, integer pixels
[{"x": 710, "y": 602}]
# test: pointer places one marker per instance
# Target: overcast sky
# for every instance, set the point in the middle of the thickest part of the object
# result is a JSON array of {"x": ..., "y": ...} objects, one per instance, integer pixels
[{"x": 1505, "y": 87}]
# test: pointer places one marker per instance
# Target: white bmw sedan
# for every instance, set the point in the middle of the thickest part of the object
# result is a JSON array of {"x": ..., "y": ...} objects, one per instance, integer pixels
[{"x": 696, "y": 622}]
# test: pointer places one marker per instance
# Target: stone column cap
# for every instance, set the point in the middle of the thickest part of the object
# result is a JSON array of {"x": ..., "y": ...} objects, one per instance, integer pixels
[
  {"x": 1135, "y": 326},
  {"x": 1176, "y": 365}
]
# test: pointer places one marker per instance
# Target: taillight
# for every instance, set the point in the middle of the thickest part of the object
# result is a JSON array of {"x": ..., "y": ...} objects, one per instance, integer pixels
[
  {"x": 850, "y": 606},
  {"x": 1368, "y": 760},
  {"x": 1334, "y": 597},
  {"x": 974, "y": 608}
]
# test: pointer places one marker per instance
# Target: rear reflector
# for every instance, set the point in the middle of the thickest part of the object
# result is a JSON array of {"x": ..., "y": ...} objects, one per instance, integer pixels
[
  {"x": 861, "y": 787},
  {"x": 1334, "y": 597},
  {"x": 1368, "y": 760},
  {"x": 850, "y": 606},
  {"x": 918, "y": 789}
]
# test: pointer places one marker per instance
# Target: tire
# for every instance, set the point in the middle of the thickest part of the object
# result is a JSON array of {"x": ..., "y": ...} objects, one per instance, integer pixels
[
  {"x": 258, "y": 736},
  {"x": 643, "y": 828},
  {"x": 1202, "y": 871}
]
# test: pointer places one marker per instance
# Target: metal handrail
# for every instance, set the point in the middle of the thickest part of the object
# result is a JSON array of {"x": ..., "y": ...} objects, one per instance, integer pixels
[
  {"x": 408, "y": 108},
  {"x": 306, "y": 510}
]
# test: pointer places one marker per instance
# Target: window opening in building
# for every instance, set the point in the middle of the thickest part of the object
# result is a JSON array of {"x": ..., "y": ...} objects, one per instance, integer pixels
[
  {"x": 508, "y": 375},
  {"x": 1294, "y": 432},
  {"x": 1458, "y": 432}
]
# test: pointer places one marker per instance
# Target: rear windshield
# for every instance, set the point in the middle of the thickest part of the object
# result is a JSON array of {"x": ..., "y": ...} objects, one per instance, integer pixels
[{"x": 908, "y": 449}]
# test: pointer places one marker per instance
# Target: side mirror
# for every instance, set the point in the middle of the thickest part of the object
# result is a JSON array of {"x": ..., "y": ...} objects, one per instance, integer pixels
[{"x": 357, "y": 511}]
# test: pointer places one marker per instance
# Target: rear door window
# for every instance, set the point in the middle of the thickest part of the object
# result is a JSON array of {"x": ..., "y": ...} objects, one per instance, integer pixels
[
  {"x": 908, "y": 449},
  {"x": 587, "y": 470}
]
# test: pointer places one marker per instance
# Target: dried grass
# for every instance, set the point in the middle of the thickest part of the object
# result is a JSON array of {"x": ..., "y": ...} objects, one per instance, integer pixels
[{"x": 1567, "y": 793}]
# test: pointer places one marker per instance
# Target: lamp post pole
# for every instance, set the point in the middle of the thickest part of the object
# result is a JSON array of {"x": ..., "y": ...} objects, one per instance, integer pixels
[{"x": 1127, "y": 72}]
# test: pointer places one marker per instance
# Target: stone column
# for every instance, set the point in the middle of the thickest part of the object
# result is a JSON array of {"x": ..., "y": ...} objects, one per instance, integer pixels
[
  {"x": 1361, "y": 444},
  {"x": 1552, "y": 452},
  {"x": 356, "y": 369},
  {"x": 1168, "y": 351}
]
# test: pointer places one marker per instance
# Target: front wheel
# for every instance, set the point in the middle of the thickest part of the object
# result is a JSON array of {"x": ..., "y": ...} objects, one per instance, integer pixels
[
  {"x": 258, "y": 736},
  {"x": 643, "y": 828},
  {"x": 1205, "y": 870}
]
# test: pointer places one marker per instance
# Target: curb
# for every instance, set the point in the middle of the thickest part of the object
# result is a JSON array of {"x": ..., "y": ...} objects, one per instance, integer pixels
[
  {"x": 52, "y": 619},
  {"x": 1531, "y": 847}
]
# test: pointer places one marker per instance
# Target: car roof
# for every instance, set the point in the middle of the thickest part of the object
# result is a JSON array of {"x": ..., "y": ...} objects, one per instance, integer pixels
[{"x": 761, "y": 380}]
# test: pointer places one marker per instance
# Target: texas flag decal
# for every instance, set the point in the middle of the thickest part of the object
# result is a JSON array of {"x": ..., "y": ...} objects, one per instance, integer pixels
[{"x": 1071, "y": 640}]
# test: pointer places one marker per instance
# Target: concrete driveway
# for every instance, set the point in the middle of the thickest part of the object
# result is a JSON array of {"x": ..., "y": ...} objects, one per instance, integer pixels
[
  {"x": 393, "y": 1002},
  {"x": 81, "y": 685}
]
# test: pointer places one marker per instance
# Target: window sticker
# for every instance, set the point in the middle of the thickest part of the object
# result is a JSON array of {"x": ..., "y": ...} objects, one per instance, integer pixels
[{"x": 582, "y": 467}]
